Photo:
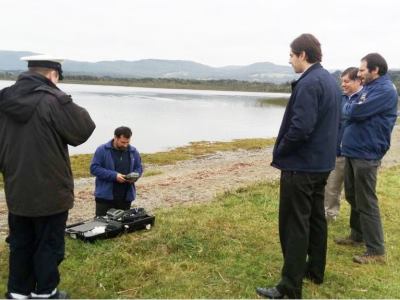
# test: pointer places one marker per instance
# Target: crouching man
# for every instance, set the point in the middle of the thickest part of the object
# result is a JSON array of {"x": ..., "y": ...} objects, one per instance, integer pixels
[{"x": 111, "y": 164}]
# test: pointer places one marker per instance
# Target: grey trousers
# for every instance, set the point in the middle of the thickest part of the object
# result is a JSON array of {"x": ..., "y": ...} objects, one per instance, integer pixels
[
  {"x": 360, "y": 189},
  {"x": 334, "y": 187}
]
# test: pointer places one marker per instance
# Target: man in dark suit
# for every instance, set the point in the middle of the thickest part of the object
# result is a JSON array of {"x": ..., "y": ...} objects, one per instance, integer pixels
[{"x": 305, "y": 152}]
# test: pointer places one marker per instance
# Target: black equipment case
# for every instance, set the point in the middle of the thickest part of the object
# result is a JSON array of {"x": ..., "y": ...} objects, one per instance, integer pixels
[{"x": 114, "y": 223}]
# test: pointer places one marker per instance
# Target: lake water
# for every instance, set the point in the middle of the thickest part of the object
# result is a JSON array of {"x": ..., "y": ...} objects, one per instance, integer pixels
[{"x": 166, "y": 118}]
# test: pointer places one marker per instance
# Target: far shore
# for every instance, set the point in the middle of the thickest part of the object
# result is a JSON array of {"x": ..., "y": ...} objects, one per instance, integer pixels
[{"x": 176, "y": 83}]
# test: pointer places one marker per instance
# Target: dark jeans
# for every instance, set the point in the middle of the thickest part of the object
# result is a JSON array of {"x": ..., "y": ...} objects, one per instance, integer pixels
[
  {"x": 302, "y": 229},
  {"x": 360, "y": 189},
  {"x": 36, "y": 249},
  {"x": 102, "y": 206}
]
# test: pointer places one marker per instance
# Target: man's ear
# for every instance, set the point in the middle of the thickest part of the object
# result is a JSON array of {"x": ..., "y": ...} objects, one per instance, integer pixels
[
  {"x": 54, "y": 77},
  {"x": 303, "y": 55},
  {"x": 375, "y": 71}
]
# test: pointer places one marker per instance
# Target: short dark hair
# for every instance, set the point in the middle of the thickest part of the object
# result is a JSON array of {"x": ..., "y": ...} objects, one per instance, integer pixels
[
  {"x": 310, "y": 45},
  {"x": 123, "y": 130},
  {"x": 352, "y": 72},
  {"x": 375, "y": 60},
  {"x": 41, "y": 70}
]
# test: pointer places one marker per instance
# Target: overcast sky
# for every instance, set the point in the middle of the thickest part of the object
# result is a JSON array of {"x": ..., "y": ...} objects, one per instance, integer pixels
[{"x": 213, "y": 32}]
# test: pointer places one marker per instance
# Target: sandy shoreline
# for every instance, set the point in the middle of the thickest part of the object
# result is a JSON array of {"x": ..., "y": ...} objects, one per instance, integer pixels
[{"x": 193, "y": 181}]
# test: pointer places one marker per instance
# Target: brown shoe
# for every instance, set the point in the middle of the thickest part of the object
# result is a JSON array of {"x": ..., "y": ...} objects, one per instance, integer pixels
[
  {"x": 348, "y": 241},
  {"x": 367, "y": 258}
]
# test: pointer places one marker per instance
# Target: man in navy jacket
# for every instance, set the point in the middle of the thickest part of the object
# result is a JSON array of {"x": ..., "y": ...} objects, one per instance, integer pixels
[
  {"x": 366, "y": 139},
  {"x": 305, "y": 152},
  {"x": 110, "y": 163}
]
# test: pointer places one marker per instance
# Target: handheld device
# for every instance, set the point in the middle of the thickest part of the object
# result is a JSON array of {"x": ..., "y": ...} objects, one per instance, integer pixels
[{"x": 132, "y": 176}]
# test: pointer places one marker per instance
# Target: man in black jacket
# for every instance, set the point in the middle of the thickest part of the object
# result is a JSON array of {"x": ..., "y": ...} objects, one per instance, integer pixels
[
  {"x": 305, "y": 152},
  {"x": 37, "y": 123}
]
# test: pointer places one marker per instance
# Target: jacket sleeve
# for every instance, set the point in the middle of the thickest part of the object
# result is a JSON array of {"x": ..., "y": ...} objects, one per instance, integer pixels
[
  {"x": 303, "y": 119},
  {"x": 72, "y": 122},
  {"x": 97, "y": 167},
  {"x": 375, "y": 103},
  {"x": 138, "y": 163}
]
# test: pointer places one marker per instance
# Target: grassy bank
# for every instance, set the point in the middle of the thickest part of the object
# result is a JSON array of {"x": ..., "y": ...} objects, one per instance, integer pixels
[
  {"x": 80, "y": 163},
  {"x": 223, "y": 249}
]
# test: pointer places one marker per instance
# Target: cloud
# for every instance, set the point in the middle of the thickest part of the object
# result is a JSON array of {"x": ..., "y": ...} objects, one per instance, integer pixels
[{"x": 214, "y": 32}]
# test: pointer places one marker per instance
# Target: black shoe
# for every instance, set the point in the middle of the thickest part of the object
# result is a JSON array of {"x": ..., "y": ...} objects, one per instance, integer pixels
[
  {"x": 313, "y": 279},
  {"x": 270, "y": 293}
]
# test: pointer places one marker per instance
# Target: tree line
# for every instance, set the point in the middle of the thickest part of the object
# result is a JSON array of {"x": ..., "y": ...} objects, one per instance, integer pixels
[{"x": 177, "y": 83}]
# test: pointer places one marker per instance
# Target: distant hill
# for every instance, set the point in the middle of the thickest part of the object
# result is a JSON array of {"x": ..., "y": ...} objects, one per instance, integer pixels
[
  {"x": 10, "y": 60},
  {"x": 158, "y": 68}
]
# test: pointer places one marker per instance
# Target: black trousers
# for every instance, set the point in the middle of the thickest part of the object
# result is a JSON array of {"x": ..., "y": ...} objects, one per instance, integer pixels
[
  {"x": 302, "y": 229},
  {"x": 102, "y": 206},
  {"x": 37, "y": 247}
]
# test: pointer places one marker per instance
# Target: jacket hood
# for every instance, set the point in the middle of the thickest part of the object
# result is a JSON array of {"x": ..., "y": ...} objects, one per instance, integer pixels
[{"x": 14, "y": 100}]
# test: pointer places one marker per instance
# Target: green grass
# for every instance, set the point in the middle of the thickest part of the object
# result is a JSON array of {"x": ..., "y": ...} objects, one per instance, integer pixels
[
  {"x": 197, "y": 149},
  {"x": 224, "y": 249},
  {"x": 272, "y": 101},
  {"x": 80, "y": 165}
]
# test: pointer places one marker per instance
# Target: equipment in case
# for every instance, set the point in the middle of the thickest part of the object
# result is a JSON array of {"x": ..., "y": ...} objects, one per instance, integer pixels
[{"x": 116, "y": 222}]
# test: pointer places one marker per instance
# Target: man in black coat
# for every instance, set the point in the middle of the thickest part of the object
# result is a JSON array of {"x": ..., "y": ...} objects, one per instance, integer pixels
[
  {"x": 305, "y": 152},
  {"x": 37, "y": 123}
]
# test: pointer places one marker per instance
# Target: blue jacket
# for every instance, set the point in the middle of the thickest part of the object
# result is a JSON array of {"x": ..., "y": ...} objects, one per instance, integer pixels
[
  {"x": 371, "y": 118},
  {"x": 307, "y": 138},
  {"x": 103, "y": 168},
  {"x": 342, "y": 124}
]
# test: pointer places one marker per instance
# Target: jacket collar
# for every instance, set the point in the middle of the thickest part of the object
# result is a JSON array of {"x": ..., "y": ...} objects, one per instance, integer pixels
[
  {"x": 380, "y": 79},
  {"x": 355, "y": 94},
  {"x": 310, "y": 69},
  {"x": 36, "y": 78},
  {"x": 109, "y": 144}
]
